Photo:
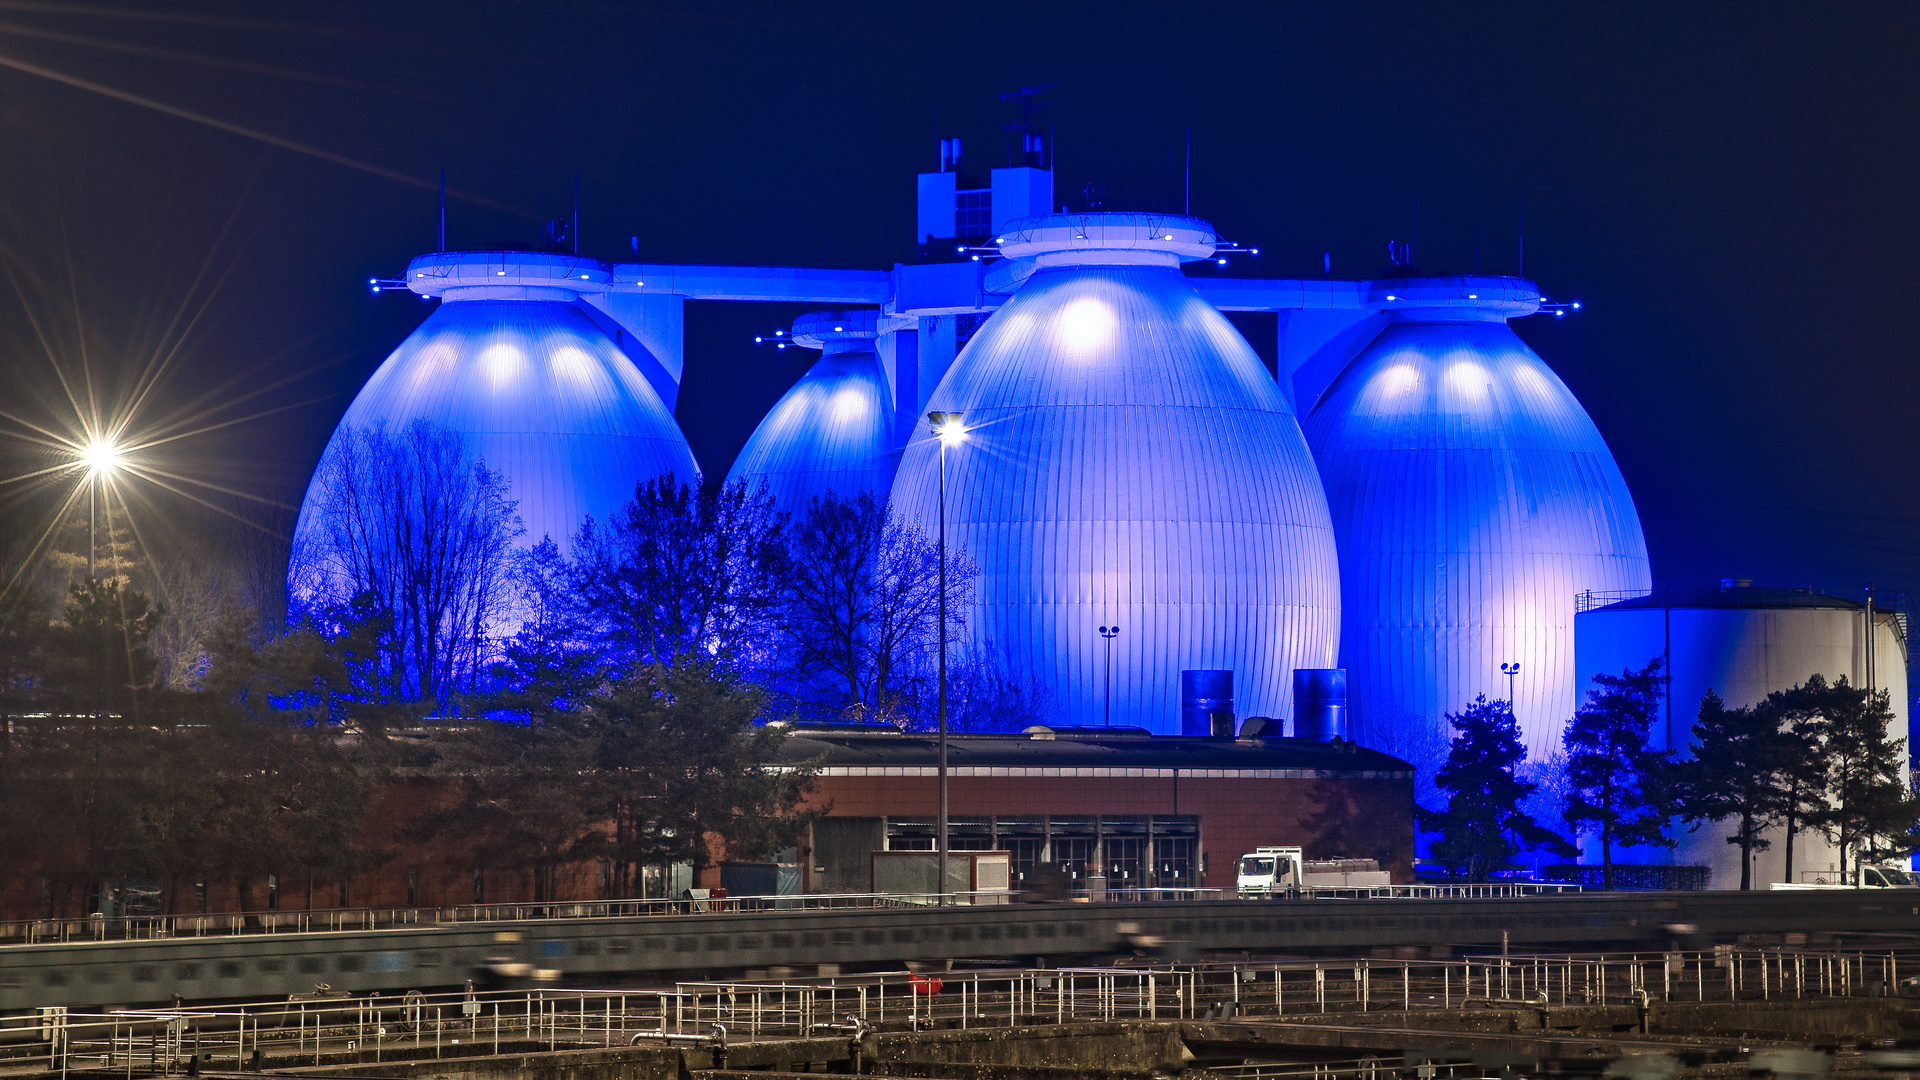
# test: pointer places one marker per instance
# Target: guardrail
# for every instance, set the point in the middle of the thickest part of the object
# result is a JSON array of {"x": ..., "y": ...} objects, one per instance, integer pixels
[
  {"x": 156, "y": 927},
  {"x": 1463, "y": 891},
  {"x": 130, "y": 927},
  {"x": 321, "y": 1029}
]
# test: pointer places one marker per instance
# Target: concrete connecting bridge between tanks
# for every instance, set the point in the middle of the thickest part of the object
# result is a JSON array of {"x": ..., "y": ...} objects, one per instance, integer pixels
[{"x": 1321, "y": 323}]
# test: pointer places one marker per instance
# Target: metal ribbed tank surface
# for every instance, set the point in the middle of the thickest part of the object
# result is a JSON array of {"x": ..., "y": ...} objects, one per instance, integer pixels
[
  {"x": 1129, "y": 462},
  {"x": 833, "y": 430},
  {"x": 540, "y": 394},
  {"x": 1473, "y": 497}
]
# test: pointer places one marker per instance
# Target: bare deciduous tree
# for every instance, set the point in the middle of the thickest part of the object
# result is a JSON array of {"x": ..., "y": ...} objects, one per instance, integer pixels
[
  {"x": 683, "y": 571},
  {"x": 862, "y": 610},
  {"x": 410, "y": 528}
]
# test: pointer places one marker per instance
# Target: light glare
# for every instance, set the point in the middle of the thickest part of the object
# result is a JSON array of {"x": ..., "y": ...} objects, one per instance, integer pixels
[{"x": 101, "y": 457}]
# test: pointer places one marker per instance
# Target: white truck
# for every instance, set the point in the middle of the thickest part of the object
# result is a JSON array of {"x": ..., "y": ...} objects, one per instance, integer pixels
[
  {"x": 1860, "y": 877},
  {"x": 1275, "y": 871}
]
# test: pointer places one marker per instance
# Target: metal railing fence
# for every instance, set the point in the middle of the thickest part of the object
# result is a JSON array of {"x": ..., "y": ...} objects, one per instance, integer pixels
[
  {"x": 132, "y": 927},
  {"x": 320, "y": 1029},
  {"x": 158, "y": 927}
]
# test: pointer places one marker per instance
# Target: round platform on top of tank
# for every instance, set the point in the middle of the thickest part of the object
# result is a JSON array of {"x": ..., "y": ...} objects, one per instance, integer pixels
[
  {"x": 495, "y": 275},
  {"x": 1476, "y": 297},
  {"x": 1108, "y": 238},
  {"x": 814, "y": 329}
]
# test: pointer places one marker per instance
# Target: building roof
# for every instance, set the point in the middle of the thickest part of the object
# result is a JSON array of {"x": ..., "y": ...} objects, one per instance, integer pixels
[
  {"x": 1728, "y": 595},
  {"x": 843, "y": 753}
]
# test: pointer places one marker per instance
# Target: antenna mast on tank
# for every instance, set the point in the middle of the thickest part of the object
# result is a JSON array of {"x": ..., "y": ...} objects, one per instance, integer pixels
[
  {"x": 443, "y": 209},
  {"x": 1189, "y": 210},
  {"x": 1869, "y": 637},
  {"x": 1031, "y": 153},
  {"x": 1523, "y": 239}
]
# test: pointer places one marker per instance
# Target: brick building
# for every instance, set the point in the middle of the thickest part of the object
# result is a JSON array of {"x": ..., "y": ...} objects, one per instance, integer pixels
[{"x": 1142, "y": 811}]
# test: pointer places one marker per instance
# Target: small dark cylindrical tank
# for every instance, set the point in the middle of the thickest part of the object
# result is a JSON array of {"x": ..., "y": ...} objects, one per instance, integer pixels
[
  {"x": 1206, "y": 702},
  {"x": 1320, "y": 704}
]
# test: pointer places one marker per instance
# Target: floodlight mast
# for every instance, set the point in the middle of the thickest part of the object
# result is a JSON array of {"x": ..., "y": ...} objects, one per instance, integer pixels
[
  {"x": 950, "y": 428},
  {"x": 100, "y": 457}
]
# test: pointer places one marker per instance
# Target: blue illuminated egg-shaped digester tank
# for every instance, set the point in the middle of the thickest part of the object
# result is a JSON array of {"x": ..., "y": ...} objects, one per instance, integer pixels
[
  {"x": 537, "y": 390},
  {"x": 1473, "y": 498},
  {"x": 1128, "y": 462},
  {"x": 833, "y": 430}
]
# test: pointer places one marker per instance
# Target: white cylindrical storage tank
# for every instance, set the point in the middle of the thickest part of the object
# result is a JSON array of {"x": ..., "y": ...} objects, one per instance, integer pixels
[
  {"x": 1473, "y": 498},
  {"x": 833, "y": 430},
  {"x": 535, "y": 388},
  {"x": 1742, "y": 643},
  {"x": 1129, "y": 463}
]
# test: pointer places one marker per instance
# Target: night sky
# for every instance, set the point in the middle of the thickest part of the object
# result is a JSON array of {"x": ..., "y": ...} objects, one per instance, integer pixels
[{"x": 1729, "y": 188}]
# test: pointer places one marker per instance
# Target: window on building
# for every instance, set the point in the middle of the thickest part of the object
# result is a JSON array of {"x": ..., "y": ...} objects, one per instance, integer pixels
[
  {"x": 972, "y": 213},
  {"x": 1024, "y": 854},
  {"x": 1173, "y": 861},
  {"x": 1123, "y": 857},
  {"x": 1073, "y": 854}
]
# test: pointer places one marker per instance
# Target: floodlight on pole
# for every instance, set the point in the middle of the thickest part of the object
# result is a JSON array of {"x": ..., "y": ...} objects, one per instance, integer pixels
[
  {"x": 101, "y": 458},
  {"x": 1109, "y": 632},
  {"x": 951, "y": 429}
]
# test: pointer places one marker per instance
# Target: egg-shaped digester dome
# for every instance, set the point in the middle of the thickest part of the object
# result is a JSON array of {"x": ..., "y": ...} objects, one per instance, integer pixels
[
  {"x": 1128, "y": 462},
  {"x": 833, "y": 430},
  {"x": 539, "y": 394},
  {"x": 1473, "y": 498}
]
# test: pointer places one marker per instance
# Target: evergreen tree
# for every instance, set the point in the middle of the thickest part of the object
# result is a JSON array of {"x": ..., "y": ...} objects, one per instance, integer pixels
[
  {"x": 1868, "y": 812},
  {"x": 1482, "y": 827},
  {"x": 1739, "y": 772},
  {"x": 99, "y": 662},
  {"x": 1618, "y": 784}
]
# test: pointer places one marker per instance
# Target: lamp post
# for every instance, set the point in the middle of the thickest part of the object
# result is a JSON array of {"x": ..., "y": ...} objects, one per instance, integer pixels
[
  {"x": 1109, "y": 632},
  {"x": 950, "y": 429},
  {"x": 1510, "y": 670},
  {"x": 100, "y": 458}
]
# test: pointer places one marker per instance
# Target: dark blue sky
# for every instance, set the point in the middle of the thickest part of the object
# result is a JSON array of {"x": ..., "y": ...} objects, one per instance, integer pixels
[{"x": 1728, "y": 187}]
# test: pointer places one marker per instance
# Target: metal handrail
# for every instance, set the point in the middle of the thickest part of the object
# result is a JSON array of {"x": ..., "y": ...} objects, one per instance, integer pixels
[
  {"x": 330, "y": 920},
  {"x": 322, "y": 1028}
]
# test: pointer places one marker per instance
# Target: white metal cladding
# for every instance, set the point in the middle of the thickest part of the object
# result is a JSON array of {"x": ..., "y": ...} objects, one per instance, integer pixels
[
  {"x": 542, "y": 396},
  {"x": 1130, "y": 462},
  {"x": 1473, "y": 498},
  {"x": 831, "y": 431},
  {"x": 1743, "y": 654}
]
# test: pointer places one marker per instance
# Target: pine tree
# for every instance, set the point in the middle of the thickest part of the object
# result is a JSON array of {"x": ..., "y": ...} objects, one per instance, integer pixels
[
  {"x": 1740, "y": 772},
  {"x": 1619, "y": 785},
  {"x": 1868, "y": 812},
  {"x": 1482, "y": 827}
]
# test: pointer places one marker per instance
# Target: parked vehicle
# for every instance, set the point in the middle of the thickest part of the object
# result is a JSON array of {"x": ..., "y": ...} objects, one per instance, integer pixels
[
  {"x": 1880, "y": 876},
  {"x": 1276, "y": 871}
]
